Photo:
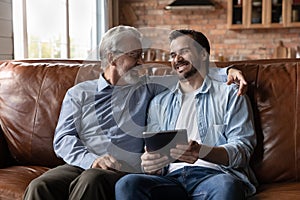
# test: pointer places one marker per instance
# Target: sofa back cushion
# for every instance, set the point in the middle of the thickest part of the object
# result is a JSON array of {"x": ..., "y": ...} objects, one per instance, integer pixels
[
  {"x": 274, "y": 89},
  {"x": 31, "y": 93}
]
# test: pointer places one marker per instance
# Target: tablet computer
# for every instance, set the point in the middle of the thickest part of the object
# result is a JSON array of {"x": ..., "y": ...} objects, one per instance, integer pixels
[{"x": 162, "y": 141}]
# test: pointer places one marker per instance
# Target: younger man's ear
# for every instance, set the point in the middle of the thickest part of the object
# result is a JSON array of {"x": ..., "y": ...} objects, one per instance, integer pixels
[{"x": 204, "y": 55}]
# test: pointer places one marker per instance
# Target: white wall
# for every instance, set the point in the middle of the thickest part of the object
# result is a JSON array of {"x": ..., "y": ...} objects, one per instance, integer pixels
[{"x": 6, "y": 30}]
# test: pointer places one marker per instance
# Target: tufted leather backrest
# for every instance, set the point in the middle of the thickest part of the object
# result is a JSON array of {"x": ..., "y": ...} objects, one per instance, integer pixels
[
  {"x": 274, "y": 88},
  {"x": 31, "y": 93}
]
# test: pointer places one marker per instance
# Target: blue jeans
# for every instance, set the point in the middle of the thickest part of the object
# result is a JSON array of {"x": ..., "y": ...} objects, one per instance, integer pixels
[{"x": 187, "y": 183}]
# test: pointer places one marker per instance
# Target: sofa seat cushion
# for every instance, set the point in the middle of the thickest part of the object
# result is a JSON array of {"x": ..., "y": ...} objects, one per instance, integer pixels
[
  {"x": 282, "y": 191},
  {"x": 14, "y": 180}
]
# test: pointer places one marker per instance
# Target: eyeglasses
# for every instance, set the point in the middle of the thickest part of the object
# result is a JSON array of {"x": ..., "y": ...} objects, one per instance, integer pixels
[{"x": 136, "y": 54}]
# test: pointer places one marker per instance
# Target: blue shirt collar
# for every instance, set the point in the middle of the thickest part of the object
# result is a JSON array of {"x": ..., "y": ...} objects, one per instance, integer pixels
[
  {"x": 206, "y": 85},
  {"x": 102, "y": 83}
]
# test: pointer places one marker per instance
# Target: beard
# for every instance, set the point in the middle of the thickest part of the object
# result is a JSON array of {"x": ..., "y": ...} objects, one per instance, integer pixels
[
  {"x": 131, "y": 77},
  {"x": 189, "y": 74}
]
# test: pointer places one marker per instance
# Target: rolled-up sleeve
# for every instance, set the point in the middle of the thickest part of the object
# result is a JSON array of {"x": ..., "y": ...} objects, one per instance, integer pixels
[{"x": 239, "y": 131}]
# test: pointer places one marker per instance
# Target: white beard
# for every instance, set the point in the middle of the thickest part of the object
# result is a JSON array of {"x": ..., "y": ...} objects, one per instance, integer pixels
[{"x": 131, "y": 77}]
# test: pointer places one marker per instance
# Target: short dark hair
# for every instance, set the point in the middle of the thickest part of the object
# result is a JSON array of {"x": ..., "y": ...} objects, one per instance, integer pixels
[{"x": 199, "y": 37}]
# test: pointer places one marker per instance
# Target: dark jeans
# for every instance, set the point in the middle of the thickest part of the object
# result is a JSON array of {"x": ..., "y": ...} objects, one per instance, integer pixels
[
  {"x": 196, "y": 183},
  {"x": 69, "y": 182}
]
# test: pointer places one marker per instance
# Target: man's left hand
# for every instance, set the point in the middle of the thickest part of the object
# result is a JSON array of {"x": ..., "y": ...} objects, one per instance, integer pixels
[{"x": 186, "y": 153}]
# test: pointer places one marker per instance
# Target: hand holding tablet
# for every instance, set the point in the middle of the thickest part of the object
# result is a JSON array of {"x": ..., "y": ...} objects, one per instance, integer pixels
[{"x": 162, "y": 141}]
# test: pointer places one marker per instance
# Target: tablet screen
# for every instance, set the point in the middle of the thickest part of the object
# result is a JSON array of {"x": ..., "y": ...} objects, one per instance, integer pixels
[{"x": 163, "y": 141}]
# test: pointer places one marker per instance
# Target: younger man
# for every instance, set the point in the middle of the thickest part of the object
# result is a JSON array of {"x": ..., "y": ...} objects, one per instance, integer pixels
[{"x": 215, "y": 163}]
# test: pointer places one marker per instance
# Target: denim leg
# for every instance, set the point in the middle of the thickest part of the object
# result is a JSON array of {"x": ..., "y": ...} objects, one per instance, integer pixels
[
  {"x": 146, "y": 187},
  {"x": 214, "y": 186}
]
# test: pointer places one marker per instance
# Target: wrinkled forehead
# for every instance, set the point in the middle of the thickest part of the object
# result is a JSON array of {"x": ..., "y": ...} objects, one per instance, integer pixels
[{"x": 128, "y": 43}]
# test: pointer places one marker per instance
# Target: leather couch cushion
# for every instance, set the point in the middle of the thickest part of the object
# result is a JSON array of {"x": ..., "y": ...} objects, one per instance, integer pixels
[
  {"x": 282, "y": 191},
  {"x": 30, "y": 97},
  {"x": 14, "y": 180},
  {"x": 274, "y": 90}
]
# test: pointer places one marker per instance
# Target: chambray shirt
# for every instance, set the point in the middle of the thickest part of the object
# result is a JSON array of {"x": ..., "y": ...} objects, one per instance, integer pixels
[
  {"x": 98, "y": 118},
  {"x": 223, "y": 119}
]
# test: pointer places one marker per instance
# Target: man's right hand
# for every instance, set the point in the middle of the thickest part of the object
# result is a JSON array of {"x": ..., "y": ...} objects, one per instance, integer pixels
[
  {"x": 152, "y": 163},
  {"x": 106, "y": 162}
]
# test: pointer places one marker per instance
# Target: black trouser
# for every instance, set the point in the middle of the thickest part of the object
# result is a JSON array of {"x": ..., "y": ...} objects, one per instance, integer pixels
[{"x": 69, "y": 182}]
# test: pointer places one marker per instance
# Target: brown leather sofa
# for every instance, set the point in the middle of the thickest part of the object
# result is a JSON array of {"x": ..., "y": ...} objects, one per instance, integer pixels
[{"x": 31, "y": 92}]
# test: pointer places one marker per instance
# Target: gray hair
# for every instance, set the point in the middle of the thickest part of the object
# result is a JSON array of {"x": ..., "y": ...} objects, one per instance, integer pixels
[{"x": 110, "y": 40}]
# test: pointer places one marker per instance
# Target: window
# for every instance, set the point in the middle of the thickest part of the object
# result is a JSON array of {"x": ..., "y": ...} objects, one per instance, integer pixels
[{"x": 58, "y": 28}]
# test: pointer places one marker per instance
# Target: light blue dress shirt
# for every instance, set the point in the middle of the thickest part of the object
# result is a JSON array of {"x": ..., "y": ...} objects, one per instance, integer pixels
[
  {"x": 98, "y": 118},
  {"x": 223, "y": 119}
]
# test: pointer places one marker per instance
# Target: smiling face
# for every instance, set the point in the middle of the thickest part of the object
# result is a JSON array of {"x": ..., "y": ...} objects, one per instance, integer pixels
[
  {"x": 126, "y": 58},
  {"x": 128, "y": 55},
  {"x": 187, "y": 57}
]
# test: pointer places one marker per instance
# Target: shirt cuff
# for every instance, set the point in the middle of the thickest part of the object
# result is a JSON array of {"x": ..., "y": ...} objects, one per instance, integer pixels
[{"x": 88, "y": 161}]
